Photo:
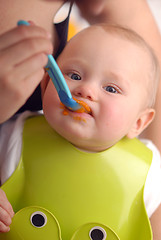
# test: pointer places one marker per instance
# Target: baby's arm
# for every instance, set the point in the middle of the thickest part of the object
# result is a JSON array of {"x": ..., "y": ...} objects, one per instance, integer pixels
[
  {"x": 23, "y": 55},
  {"x": 6, "y": 212}
]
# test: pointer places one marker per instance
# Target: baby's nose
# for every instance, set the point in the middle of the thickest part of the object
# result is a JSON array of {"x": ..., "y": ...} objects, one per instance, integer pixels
[{"x": 84, "y": 92}]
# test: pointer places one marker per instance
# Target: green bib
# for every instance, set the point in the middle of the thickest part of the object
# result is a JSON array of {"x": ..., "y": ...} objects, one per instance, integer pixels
[{"x": 81, "y": 188}]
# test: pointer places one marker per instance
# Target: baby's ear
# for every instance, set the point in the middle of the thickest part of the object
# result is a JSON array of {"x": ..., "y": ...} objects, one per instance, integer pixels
[{"x": 145, "y": 118}]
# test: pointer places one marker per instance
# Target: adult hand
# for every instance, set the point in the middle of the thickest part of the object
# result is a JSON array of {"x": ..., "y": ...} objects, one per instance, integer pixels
[{"x": 23, "y": 55}]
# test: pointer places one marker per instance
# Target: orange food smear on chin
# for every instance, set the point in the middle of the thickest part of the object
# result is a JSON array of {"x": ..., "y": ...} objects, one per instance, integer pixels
[{"x": 78, "y": 118}]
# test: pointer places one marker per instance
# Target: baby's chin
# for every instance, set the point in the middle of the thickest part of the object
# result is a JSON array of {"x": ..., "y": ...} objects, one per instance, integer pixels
[
  {"x": 84, "y": 143},
  {"x": 73, "y": 136},
  {"x": 91, "y": 148}
]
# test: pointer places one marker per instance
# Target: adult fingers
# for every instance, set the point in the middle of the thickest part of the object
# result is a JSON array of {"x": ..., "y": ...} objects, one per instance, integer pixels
[
  {"x": 23, "y": 79},
  {"x": 20, "y": 33},
  {"x": 23, "y": 50}
]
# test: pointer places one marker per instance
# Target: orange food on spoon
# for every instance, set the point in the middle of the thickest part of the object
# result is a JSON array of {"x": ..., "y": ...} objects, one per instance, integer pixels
[{"x": 84, "y": 108}]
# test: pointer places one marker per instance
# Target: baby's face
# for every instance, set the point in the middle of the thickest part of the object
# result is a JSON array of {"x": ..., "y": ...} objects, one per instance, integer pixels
[{"x": 109, "y": 74}]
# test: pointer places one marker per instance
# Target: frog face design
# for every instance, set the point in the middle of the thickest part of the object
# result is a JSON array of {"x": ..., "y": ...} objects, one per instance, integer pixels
[{"x": 33, "y": 222}]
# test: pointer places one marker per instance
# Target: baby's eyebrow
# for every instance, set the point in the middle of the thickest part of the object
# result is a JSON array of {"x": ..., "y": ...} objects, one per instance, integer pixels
[
  {"x": 76, "y": 62},
  {"x": 116, "y": 77}
]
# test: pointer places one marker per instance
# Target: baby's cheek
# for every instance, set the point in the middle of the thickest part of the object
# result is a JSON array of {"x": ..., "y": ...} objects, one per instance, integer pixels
[
  {"x": 44, "y": 84},
  {"x": 110, "y": 124}
]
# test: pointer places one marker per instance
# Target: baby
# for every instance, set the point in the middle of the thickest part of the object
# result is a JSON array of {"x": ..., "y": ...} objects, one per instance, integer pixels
[{"x": 116, "y": 73}]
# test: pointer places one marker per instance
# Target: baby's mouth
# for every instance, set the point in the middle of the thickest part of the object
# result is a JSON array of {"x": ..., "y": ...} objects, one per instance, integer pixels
[{"x": 83, "y": 109}]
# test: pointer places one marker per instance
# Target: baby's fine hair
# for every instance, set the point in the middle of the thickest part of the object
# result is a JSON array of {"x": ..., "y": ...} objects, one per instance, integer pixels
[{"x": 154, "y": 73}]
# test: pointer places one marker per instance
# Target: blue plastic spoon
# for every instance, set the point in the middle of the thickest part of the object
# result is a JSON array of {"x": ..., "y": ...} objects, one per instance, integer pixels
[{"x": 58, "y": 80}]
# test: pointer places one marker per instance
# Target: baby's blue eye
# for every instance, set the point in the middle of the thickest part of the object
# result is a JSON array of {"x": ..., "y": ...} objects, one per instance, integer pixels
[
  {"x": 74, "y": 76},
  {"x": 111, "y": 89}
]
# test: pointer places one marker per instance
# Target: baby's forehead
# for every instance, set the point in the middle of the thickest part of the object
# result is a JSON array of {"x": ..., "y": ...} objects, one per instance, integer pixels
[
  {"x": 95, "y": 32},
  {"x": 98, "y": 41},
  {"x": 103, "y": 36}
]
